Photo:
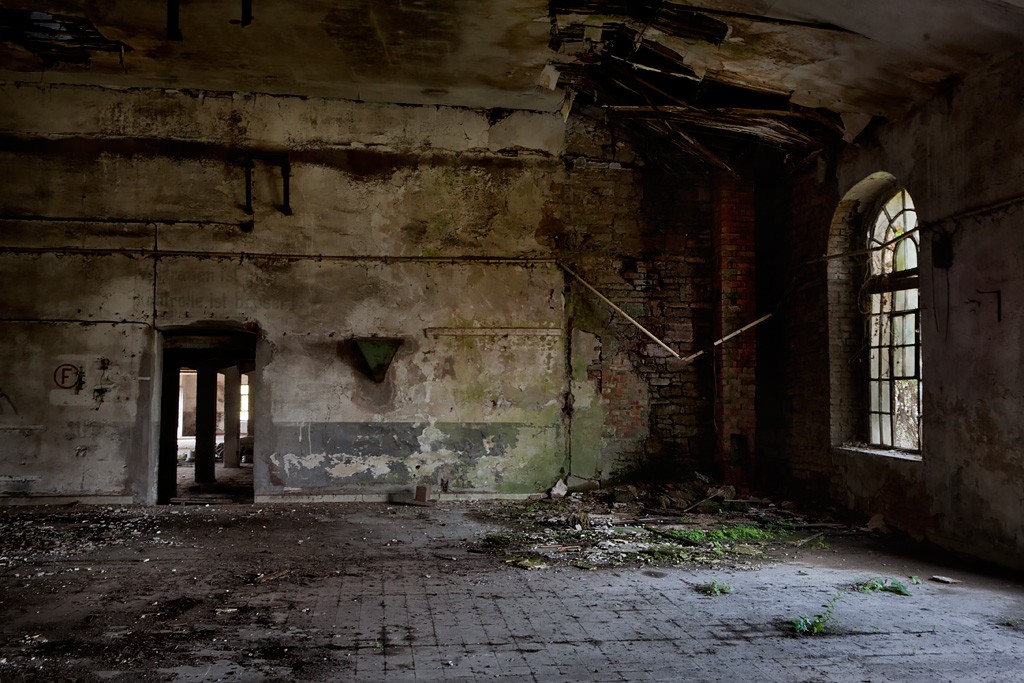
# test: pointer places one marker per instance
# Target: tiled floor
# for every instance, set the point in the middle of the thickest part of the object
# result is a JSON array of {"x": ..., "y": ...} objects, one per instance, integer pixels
[{"x": 378, "y": 593}]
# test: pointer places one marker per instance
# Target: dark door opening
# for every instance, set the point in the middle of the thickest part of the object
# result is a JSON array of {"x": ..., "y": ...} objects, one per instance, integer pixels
[{"x": 206, "y": 436}]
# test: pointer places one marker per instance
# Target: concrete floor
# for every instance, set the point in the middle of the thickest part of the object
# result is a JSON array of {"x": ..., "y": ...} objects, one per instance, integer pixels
[
  {"x": 233, "y": 485},
  {"x": 392, "y": 593}
]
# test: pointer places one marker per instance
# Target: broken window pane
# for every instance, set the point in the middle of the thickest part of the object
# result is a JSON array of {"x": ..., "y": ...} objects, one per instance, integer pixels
[{"x": 906, "y": 415}]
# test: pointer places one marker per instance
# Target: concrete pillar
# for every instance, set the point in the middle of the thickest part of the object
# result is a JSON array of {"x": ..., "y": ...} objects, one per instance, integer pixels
[
  {"x": 232, "y": 425},
  {"x": 206, "y": 424},
  {"x": 250, "y": 428},
  {"x": 167, "y": 471}
]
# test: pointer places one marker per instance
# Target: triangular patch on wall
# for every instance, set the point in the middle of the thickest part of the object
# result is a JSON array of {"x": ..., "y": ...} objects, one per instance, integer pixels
[{"x": 377, "y": 354}]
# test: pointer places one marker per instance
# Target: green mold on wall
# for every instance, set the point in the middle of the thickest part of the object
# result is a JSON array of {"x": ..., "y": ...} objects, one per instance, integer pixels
[{"x": 536, "y": 462}]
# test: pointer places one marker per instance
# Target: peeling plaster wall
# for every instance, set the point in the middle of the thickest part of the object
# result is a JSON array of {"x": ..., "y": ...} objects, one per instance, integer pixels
[
  {"x": 959, "y": 158},
  {"x": 127, "y": 216},
  {"x": 72, "y": 441},
  {"x": 472, "y": 399},
  {"x": 437, "y": 226}
]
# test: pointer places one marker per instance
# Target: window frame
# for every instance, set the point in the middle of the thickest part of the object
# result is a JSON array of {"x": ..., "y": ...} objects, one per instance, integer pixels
[{"x": 890, "y": 304}]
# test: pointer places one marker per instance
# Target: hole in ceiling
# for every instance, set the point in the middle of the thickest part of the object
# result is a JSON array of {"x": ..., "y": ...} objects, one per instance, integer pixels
[{"x": 55, "y": 38}]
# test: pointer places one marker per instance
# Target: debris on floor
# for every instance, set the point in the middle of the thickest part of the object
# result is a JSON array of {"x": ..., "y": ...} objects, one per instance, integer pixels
[
  {"x": 73, "y": 531},
  {"x": 691, "y": 524},
  {"x": 945, "y": 579},
  {"x": 366, "y": 591}
]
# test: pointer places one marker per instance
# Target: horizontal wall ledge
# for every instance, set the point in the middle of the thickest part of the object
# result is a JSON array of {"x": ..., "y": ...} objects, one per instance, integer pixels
[
  {"x": 492, "y": 332},
  {"x": 242, "y": 256}
]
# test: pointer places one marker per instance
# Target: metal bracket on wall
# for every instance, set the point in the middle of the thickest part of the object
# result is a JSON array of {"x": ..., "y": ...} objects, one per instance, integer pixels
[
  {"x": 277, "y": 159},
  {"x": 248, "y": 185},
  {"x": 173, "y": 17},
  {"x": 998, "y": 293},
  {"x": 286, "y": 177},
  {"x": 246, "y": 14}
]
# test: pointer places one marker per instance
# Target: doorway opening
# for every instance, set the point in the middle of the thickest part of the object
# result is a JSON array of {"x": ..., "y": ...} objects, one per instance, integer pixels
[{"x": 207, "y": 438}]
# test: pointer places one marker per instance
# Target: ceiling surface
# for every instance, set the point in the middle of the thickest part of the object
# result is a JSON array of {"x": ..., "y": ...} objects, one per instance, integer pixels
[{"x": 786, "y": 72}]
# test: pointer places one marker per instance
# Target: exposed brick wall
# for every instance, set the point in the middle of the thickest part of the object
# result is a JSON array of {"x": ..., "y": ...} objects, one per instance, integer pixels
[
  {"x": 736, "y": 359},
  {"x": 682, "y": 255},
  {"x": 807, "y": 443},
  {"x": 680, "y": 393},
  {"x": 846, "y": 325},
  {"x": 643, "y": 239}
]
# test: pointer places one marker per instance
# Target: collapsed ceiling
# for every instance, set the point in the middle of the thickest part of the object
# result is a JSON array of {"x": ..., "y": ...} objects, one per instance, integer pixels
[
  {"x": 795, "y": 75},
  {"x": 792, "y": 74}
]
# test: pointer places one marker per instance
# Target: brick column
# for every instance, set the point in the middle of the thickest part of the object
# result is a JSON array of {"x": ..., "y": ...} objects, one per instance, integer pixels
[{"x": 736, "y": 359}]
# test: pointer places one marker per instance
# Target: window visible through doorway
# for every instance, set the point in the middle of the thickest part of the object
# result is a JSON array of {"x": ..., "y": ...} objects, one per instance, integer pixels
[
  {"x": 894, "y": 329},
  {"x": 243, "y": 412}
]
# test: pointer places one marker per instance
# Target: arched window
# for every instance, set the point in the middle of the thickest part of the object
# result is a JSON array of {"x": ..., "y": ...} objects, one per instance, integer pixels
[{"x": 894, "y": 329}]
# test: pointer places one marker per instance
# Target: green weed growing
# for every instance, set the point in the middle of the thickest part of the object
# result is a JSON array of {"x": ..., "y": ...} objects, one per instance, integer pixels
[
  {"x": 820, "y": 623},
  {"x": 744, "y": 532},
  {"x": 715, "y": 587},
  {"x": 877, "y": 584}
]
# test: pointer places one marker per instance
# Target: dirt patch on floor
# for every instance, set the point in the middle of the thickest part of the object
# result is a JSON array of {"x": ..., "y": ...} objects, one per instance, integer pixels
[{"x": 633, "y": 526}]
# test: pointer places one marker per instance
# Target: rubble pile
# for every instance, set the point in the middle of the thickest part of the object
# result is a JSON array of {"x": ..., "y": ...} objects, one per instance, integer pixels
[{"x": 689, "y": 524}]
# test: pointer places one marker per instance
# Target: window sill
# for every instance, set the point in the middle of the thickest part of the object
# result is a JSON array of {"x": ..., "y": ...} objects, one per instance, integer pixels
[{"x": 880, "y": 452}]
